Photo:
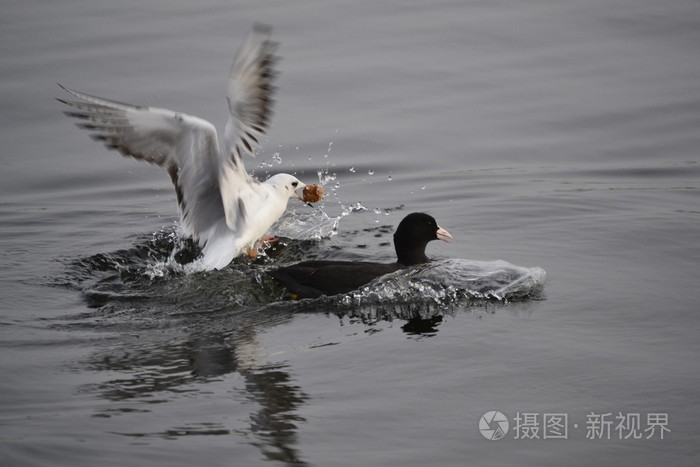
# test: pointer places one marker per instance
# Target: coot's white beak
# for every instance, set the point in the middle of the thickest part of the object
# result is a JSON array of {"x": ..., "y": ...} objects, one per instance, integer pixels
[{"x": 443, "y": 235}]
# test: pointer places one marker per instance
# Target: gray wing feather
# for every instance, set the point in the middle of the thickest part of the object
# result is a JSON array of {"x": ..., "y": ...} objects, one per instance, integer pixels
[
  {"x": 250, "y": 110},
  {"x": 185, "y": 145}
]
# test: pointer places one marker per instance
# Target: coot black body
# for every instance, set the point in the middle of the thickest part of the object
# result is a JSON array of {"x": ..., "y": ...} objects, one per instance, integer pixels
[{"x": 311, "y": 279}]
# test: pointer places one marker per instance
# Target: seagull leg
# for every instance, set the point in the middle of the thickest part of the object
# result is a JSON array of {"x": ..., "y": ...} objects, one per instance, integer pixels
[
  {"x": 269, "y": 241},
  {"x": 265, "y": 242}
]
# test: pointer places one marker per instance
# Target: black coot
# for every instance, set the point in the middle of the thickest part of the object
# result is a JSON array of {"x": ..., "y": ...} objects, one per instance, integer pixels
[{"x": 310, "y": 279}]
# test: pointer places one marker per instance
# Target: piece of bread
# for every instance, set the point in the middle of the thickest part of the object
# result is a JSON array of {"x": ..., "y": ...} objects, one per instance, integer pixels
[{"x": 312, "y": 193}]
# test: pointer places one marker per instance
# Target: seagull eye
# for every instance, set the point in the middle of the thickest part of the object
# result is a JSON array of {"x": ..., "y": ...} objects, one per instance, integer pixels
[{"x": 294, "y": 184}]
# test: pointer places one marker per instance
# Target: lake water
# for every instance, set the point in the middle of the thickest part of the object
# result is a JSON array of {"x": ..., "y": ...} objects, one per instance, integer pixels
[{"x": 554, "y": 134}]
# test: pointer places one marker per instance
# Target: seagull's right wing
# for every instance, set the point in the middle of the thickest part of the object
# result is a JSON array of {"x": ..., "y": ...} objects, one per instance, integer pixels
[
  {"x": 187, "y": 146},
  {"x": 250, "y": 102},
  {"x": 250, "y": 91}
]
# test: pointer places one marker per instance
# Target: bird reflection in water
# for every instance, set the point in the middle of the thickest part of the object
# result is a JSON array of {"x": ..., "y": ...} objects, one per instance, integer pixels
[
  {"x": 154, "y": 371},
  {"x": 422, "y": 326}
]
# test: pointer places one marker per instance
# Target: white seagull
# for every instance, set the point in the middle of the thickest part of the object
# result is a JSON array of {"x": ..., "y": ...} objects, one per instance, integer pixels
[{"x": 221, "y": 206}]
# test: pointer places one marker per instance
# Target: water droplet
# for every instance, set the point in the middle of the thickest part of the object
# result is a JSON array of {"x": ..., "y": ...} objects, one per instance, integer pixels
[
  {"x": 324, "y": 177},
  {"x": 357, "y": 207},
  {"x": 371, "y": 172},
  {"x": 423, "y": 187},
  {"x": 389, "y": 178}
]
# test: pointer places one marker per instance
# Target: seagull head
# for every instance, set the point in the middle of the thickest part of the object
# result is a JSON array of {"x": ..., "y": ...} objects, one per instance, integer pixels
[{"x": 286, "y": 183}]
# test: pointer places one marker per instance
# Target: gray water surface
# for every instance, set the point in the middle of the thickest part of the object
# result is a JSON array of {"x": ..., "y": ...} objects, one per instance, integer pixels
[{"x": 554, "y": 134}]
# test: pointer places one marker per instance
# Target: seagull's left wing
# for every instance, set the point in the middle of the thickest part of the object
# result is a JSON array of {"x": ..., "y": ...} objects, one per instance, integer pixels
[{"x": 186, "y": 146}]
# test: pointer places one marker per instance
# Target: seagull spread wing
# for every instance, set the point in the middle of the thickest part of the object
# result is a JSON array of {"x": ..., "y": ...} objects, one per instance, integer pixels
[
  {"x": 250, "y": 109},
  {"x": 187, "y": 146}
]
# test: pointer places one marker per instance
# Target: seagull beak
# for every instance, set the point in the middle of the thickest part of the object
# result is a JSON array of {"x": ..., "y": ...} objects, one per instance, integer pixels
[
  {"x": 301, "y": 187},
  {"x": 443, "y": 235}
]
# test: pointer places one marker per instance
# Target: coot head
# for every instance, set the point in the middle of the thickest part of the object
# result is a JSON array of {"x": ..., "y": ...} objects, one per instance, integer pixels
[{"x": 413, "y": 234}]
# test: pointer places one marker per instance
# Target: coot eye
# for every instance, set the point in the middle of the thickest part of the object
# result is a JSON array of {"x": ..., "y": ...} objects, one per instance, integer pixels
[{"x": 294, "y": 184}]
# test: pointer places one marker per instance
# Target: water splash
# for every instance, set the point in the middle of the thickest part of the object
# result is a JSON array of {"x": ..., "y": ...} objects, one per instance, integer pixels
[
  {"x": 450, "y": 281},
  {"x": 355, "y": 207},
  {"x": 325, "y": 176},
  {"x": 310, "y": 225}
]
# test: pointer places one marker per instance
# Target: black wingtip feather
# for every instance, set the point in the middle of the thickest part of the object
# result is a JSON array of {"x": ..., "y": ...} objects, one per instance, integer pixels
[{"x": 247, "y": 145}]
